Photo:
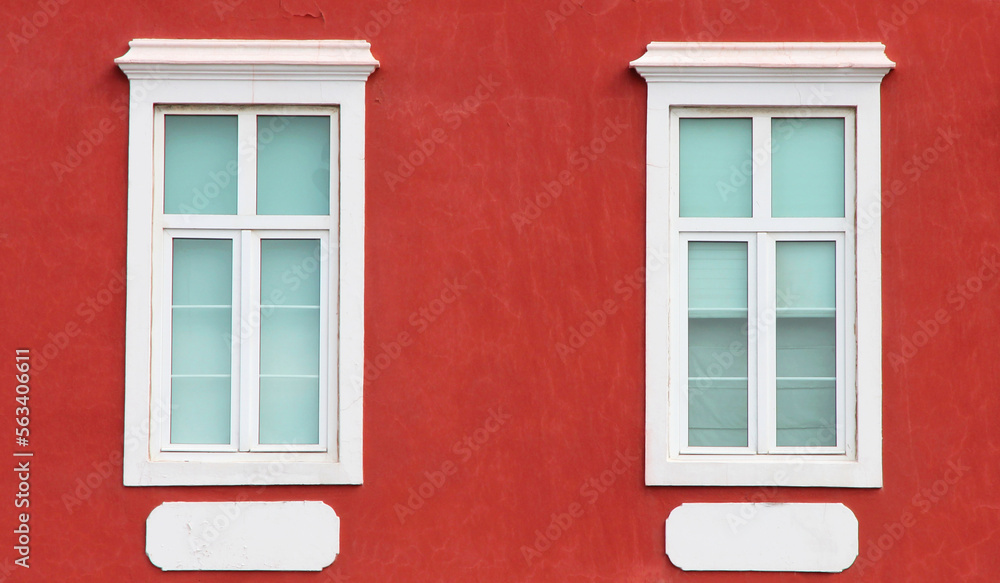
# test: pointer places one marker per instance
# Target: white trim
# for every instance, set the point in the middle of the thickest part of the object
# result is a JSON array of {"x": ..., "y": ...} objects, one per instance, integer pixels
[
  {"x": 796, "y": 537},
  {"x": 761, "y": 261},
  {"x": 751, "y": 76},
  {"x": 181, "y": 73},
  {"x": 764, "y": 61},
  {"x": 247, "y": 351},
  {"x": 764, "y": 267},
  {"x": 242, "y": 536},
  {"x": 283, "y": 60}
]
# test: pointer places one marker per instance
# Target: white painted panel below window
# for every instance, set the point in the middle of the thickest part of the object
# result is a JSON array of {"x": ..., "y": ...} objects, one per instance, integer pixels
[
  {"x": 762, "y": 537},
  {"x": 242, "y": 536}
]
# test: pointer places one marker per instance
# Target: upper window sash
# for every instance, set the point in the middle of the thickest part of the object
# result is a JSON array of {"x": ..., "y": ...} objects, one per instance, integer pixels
[
  {"x": 257, "y": 127},
  {"x": 759, "y": 175}
]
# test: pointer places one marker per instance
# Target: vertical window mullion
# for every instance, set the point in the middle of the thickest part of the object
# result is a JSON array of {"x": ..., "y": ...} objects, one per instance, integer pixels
[
  {"x": 249, "y": 304},
  {"x": 165, "y": 397},
  {"x": 753, "y": 343},
  {"x": 761, "y": 156},
  {"x": 328, "y": 357},
  {"x": 841, "y": 327},
  {"x": 680, "y": 290},
  {"x": 247, "y": 156},
  {"x": 249, "y": 327},
  {"x": 238, "y": 375},
  {"x": 765, "y": 325},
  {"x": 762, "y": 266}
]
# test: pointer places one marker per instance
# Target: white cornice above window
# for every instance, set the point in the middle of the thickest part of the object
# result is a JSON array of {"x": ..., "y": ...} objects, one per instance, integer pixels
[
  {"x": 756, "y": 61},
  {"x": 179, "y": 59}
]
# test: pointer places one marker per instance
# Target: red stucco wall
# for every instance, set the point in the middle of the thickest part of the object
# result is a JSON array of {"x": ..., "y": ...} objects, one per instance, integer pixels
[{"x": 513, "y": 96}]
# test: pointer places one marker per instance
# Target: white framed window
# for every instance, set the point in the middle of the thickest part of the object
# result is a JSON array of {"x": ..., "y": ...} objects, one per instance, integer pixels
[
  {"x": 763, "y": 347},
  {"x": 244, "y": 325}
]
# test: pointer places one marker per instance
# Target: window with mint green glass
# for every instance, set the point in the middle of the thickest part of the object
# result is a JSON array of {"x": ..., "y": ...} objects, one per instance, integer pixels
[
  {"x": 806, "y": 338},
  {"x": 289, "y": 341},
  {"x": 200, "y": 164},
  {"x": 293, "y": 165},
  {"x": 717, "y": 344},
  {"x": 716, "y": 168},
  {"x": 200, "y": 351},
  {"x": 271, "y": 378},
  {"x": 807, "y": 167}
]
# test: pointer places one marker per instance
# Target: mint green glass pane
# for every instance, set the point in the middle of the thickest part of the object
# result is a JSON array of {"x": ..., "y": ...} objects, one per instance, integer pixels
[
  {"x": 717, "y": 344},
  {"x": 203, "y": 272},
  {"x": 716, "y": 167},
  {"x": 717, "y": 382},
  {"x": 717, "y": 413},
  {"x": 289, "y": 341},
  {"x": 200, "y": 410},
  {"x": 806, "y": 412},
  {"x": 806, "y": 370},
  {"x": 717, "y": 276},
  {"x": 201, "y": 311},
  {"x": 290, "y": 272},
  {"x": 807, "y": 167},
  {"x": 201, "y": 340},
  {"x": 200, "y": 164},
  {"x": 289, "y": 410},
  {"x": 717, "y": 348},
  {"x": 806, "y": 276},
  {"x": 200, "y": 347},
  {"x": 806, "y": 347},
  {"x": 293, "y": 165}
]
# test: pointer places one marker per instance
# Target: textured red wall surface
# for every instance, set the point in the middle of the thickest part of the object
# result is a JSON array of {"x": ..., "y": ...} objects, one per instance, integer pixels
[{"x": 515, "y": 95}]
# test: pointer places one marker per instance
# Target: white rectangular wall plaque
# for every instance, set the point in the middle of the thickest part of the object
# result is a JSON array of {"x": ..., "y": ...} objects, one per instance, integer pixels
[
  {"x": 242, "y": 536},
  {"x": 762, "y": 537}
]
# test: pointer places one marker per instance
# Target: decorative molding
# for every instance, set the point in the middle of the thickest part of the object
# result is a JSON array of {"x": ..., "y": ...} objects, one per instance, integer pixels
[
  {"x": 179, "y": 59},
  {"x": 242, "y": 536},
  {"x": 793, "y": 62},
  {"x": 762, "y": 537}
]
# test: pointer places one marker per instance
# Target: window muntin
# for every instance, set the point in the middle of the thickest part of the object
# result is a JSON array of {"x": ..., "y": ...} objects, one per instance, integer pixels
[
  {"x": 246, "y": 343},
  {"x": 762, "y": 218}
]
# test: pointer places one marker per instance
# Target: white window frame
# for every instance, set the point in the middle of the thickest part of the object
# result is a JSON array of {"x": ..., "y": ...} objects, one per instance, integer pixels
[
  {"x": 246, "y": 78},
  {"x": 743, "y": 79},
  {"x": 761, "y": 233}
]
